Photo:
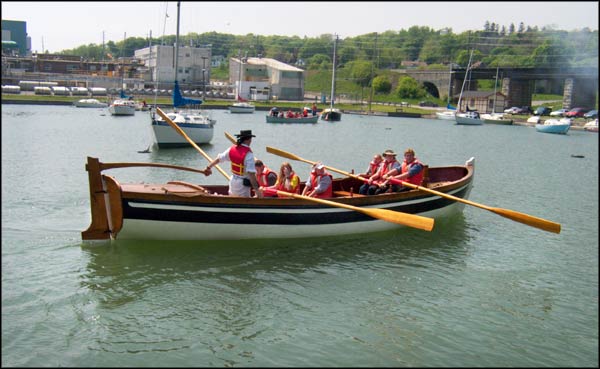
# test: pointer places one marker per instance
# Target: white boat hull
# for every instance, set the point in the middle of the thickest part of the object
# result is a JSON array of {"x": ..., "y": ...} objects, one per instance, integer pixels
[
  {"x": 468, "y": 120},
  {"x": 90, "y": 103},
  {"x": 197, "y": 126},
  {"x": 242, "y": 108},
  {"x": 446, "y": 115},
  {"x": 122, "y": 107}
]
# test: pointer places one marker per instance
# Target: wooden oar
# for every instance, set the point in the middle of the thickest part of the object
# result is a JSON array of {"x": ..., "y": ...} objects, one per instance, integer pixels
[
  {"x": 411, "y": 220},
  {"x": 182, "y": 133},
  {"x": 529, "y": 220}
]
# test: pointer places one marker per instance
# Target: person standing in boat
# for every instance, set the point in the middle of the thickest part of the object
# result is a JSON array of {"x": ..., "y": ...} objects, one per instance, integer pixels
[
  {"x": 314, "y": 109},
  {"x": 320, "y": 183},
  {"x": 243, "y": 169},
  {"x": 374, "y": 182},
  {"x": 411, "y": 171}
]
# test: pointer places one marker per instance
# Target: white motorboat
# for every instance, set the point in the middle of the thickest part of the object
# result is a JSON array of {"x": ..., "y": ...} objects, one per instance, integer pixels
[
  {"x": 90, "y": 103},
  {"x": 122, "y": 107},
  {"x": 242, "y": 107}
]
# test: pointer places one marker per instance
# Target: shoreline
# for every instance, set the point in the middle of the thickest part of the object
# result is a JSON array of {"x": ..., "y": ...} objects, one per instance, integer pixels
[{"x": 576, "y": 125}]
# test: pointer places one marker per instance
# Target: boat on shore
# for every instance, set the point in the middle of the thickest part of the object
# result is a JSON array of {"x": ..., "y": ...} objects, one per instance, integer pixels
[
  {"x": 496, "y": 118},
  {"x": 557, "y": 126},
  {"x": 446, "y": 115},
  {"x": 591, "y": 126},
  {"x": 90, "y": 103},
  {"x": 241, "y": 107},
  {"x": 178, "y": 210},
  {"x": 308, "y": 119}
]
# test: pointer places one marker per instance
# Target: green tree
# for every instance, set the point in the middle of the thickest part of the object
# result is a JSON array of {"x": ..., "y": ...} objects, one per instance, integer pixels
[
  {"x": 408, "y": 88},
  {"x": 382, "y": 85}
]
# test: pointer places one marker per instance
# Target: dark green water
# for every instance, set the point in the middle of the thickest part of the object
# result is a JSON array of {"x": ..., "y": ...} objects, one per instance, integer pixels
[{"x": 480, "y": 290}]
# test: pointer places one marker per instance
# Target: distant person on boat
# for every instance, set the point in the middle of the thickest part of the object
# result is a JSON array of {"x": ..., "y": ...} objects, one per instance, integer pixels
[
  {"x": 243, "y": 169},
  {"x": 287, "y": 180},
  {"x": 390, "y": 163},
  {"x": 411, "y": 171},
  {"x": 373, "y": 166},
  {"x": 314, "y": 109},
  {"x": 320, "y": 183},
  {"x": 265, "y": 176},
  {"x": 290, "y": 114},
  {"x": 305, "y": 113},
  {"x": 274, "y": 112}
]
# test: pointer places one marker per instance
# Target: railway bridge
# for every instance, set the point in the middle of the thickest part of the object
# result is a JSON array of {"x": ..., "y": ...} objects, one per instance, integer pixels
[{"x": 580, "y": 84}]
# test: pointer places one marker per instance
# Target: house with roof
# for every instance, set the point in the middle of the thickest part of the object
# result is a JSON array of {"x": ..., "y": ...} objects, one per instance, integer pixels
[{"x": 482, "y": 101}]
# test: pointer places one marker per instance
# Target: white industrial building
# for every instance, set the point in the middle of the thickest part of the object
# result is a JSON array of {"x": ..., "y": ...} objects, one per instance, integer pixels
[
  {"x": 266, "y": 79},
  {"x": 193, "y": 64}
]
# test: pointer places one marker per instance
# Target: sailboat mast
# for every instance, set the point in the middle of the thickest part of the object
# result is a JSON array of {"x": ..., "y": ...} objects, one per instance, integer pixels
[
  {"x": 177, "y": 42},
  {"x": 333, "y": 74},
  {"x": 495, "y": 84},
  {"x": 464, "y": 80}
]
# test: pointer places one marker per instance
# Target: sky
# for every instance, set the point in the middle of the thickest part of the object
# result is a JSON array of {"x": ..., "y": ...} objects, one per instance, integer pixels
[{"x": 65, "y": 25}]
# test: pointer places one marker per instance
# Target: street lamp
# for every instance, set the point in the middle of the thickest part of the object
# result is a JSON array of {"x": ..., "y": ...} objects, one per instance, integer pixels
[{"x": 203, "y": 74}]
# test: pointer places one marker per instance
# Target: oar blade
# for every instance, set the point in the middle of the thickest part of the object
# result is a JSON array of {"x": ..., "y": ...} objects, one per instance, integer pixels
[
  {"x": 410, "y": 220},
  {"x": 529, "y": 220}
]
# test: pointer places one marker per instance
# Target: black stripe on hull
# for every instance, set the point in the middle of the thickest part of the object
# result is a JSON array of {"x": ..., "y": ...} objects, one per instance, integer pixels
[{"x": 265, "y": 216}]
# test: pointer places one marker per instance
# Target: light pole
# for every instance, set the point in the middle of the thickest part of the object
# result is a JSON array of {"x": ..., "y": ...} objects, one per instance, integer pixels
[{"x": 203, "y": 75}]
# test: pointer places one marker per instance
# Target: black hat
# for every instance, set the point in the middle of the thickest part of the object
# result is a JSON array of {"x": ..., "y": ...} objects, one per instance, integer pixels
[{"x": 246, "y": 133}]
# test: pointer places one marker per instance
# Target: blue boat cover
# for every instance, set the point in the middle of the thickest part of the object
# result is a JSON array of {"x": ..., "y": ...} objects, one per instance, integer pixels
[
  {"x": 179, "y": 100},
  {"x": 123, "y": 96},
  {"x": 450, "y": 107}
]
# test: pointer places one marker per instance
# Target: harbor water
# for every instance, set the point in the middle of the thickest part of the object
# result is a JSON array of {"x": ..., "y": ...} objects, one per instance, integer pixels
[{"x": 479, "y": 290}]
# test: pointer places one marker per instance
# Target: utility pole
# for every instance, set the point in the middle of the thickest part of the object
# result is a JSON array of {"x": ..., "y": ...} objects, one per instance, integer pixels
[
  {"x": 203, "y": 75},
  {"x": 372, "y": 63}
]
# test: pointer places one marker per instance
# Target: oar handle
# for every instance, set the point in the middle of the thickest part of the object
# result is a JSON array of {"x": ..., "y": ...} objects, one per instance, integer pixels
[{"x": 182, "y": 133}]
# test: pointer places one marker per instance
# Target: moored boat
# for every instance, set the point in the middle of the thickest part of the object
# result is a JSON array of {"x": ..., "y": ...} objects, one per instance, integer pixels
[
  {"x": 591, "y": 126},
  {"x": 558, "y": 126},
  {"x": 241, "y": 107},
  {"x": 184, "y": 211},
  {"x": 496, "y": 118},
  {"x": 309, "y": 119},
  {"x": 122, "y": 107},
  {"x": 470, "y": 118},
  {"x": 331, "y": 115},
  {"x": 446, "y": 115},
  {"x": 90, "y": 103}
]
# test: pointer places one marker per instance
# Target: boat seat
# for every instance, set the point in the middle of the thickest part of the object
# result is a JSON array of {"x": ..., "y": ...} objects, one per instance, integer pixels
[{"x": 346, "y": 194}]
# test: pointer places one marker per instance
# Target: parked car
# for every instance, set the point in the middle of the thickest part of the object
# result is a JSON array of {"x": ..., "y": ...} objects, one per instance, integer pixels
[
  {"x": 428, "y": 103},
  {"x": 542, "y": 110},
  {"x": 559, "y": 113},
  {"x": 591, "y": 114},
  {"x": 575, "y": 113},
  {"x": 518, "y": 110}
]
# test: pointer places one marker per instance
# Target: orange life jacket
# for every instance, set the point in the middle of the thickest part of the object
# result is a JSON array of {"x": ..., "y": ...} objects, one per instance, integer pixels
[
  {"x": 237, "y": 154},
  {"x": 417, "y": 179},
  {"x": 262, "y": 178},
  {"x": 294, "y": 182}
]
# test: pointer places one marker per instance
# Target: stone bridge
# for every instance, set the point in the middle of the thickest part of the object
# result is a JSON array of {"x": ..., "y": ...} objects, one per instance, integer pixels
[{"x": 580, "y": 85}]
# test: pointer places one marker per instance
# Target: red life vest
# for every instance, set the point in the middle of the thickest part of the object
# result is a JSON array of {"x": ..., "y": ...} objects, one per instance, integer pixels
[
  {"x": 385, "y": 167},
  {"x": 237, "y": 154},
  {"x": 293, "y": 179},
  {"x": 373, "y": 167},
  {"x": 314, "y": 183},
  {"x": 262, "y": 179},
  {"x": 417, "y": 179}
]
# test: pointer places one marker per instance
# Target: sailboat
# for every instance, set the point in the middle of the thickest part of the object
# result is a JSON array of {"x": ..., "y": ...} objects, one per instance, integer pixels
[
  {"x": 450, "y": 112},
  {"x": 196, "y": 125},
  {"x": 493, "y": 117},
  {"x": 125, "y": 104},
  {"x": 242, "y": 105},
  {"x": 330, "y": 114},
  {"x": 470, "y": 118}
]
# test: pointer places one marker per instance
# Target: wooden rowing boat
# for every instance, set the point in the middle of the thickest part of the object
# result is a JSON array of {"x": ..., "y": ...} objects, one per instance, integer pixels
[{"x": 185, "y": 211}]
